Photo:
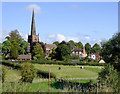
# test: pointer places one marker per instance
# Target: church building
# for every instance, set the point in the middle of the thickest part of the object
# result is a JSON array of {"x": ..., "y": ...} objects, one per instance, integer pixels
[{"x": 33, "y": 38}]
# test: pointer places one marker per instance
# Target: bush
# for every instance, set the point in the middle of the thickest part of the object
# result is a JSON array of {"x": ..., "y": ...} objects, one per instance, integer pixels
[
  {"x": 74, "y": 57},
  {"x": 45, "y": 74},
  {"x": 28, "y": 72}
]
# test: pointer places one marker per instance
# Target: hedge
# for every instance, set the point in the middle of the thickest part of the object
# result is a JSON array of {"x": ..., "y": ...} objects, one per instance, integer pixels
[
  {"x": 64, "y": 63},
  {"x": 18, "y": 66}
]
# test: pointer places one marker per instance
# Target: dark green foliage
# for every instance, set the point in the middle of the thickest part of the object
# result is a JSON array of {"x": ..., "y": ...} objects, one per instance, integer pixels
[
  {"x": 14, "y": 35},
  {"x": 64, "y": 63},
  {"x": 53, "y": 53},
  {"x": 14, "y": 52},
  {"x": 109, "y": 79},
  {"x": 90, "y": 60},
  {"x": 72, "y": 44},
  {"x": 28, "y": 72},
  {"x": 111, "y": 49},
  {"x": 11, "y": 64},
  {"x": 14, "y": 45},
  {"x": 6, "y": 47},
  {"x": 62, "y": 51},
  {"x": 56, "y": 42},
  {"x": 38, "y": 51},
  {"x": 74, "y": 57},
  {"x": 45, "y": 74},
  {"x": 87, "y": 48},
  {"x": 96, "y": 48},
  {"x": 79, "y": 45}
]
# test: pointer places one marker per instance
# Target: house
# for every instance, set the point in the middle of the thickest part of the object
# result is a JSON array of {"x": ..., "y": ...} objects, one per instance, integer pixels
[
  {"x": 24, "y": 57},
  {"x": 101, "y": 61},
  {"x": 48, "y": 48},
  {"x": 94, "y": 56},
  {"x": 76, "y": 51},
  {"x": 80, "y": 52}
]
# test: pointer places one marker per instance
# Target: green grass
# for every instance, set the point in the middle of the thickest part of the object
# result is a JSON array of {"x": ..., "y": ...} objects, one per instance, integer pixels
[
  {"x": 12, "y": 75},
  {"x": 70, "y": 71},
  {"x": 29, "y": 87},
  {"x": 93, "y": 69}
]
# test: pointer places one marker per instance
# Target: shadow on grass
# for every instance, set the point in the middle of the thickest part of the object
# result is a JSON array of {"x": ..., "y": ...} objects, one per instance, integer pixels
[{"x": 74, "y": 86}]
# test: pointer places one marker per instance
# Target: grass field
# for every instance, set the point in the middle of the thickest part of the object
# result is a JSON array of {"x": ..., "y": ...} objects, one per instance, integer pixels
[
  {"x": 12, "y": 75},
  {"x": 70, "y": 71},
  {"x": 42, "y": 86}
]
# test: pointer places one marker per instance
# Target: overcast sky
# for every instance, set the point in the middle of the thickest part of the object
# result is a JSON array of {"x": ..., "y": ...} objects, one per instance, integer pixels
[{"x": 90, "y": 22}]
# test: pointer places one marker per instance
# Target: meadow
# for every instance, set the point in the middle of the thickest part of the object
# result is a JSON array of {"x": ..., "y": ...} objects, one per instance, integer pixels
[
  {"x": 71, "y": 71},
  {"x": 12, "y": 78}
]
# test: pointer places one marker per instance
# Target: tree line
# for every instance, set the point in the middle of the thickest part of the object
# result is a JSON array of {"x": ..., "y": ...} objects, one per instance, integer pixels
[{"x": 15, "y": 45}]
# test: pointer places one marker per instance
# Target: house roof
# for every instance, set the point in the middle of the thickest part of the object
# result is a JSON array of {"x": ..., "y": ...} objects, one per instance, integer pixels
[
  {"x": 24, "y": 57},
  {"x": 77, "y": 50},
  {"x": 50, "y": 45}
]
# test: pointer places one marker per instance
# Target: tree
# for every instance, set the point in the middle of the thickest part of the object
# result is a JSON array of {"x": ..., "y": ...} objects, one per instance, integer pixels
[
  {"x": 14, "y": 35},
  {"x": 6, "y": 46},
  {"x": 53, "y": 53},
  {"x": 111, "y": 49},
  {"x": 14, "y": 52},
  {"x": 62, "y": 51},
  {"x": 96, "y": 48},
  {"x": 109, "y": 79},
  {"x": 72, "y": 44},
  {"x": 28, "y": 72},
  {"x": 38, "y": 51},
  {"x": 23, "y": 47},
  {"x": 79, "y": 45},
  {"x": 87, "y": 48},
  {"x": 56, "y": 42},
  {"x": 14, "y": 45}
]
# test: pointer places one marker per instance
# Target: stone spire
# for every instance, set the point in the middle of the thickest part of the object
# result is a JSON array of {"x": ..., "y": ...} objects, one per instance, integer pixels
[{"x": 33, "y": 30}]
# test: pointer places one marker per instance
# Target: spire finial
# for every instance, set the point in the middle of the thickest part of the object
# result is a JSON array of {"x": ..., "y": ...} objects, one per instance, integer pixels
[{"x": 33, "y": 30}]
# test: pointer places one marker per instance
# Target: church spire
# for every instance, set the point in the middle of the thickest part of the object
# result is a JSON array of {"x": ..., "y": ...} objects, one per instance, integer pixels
[{"x": 33, "y": 30}]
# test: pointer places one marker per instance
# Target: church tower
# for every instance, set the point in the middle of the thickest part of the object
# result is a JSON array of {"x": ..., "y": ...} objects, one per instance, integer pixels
[{"x": 33, "y": 38}]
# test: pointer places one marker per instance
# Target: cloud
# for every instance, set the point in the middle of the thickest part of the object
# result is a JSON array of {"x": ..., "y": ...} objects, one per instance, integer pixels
[
  {"x": 36, "y": 8},
  {"x": 87, "y": 38},
  {"x": 61, "y": 37},
  {"x": 74, "y": 6}
]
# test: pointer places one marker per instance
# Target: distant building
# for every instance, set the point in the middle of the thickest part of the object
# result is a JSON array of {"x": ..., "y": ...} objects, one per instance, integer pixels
[
  {"x": 80, "y": 52},
  {"x": 101, "y": 61},
  {"x": 48, "y": 48},
  {"x": 24, "y": 57},
  {"x": 94, "y": 56}
]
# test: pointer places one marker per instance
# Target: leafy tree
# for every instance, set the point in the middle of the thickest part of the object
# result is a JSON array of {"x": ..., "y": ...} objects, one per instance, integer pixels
[
  {"x": 111, "y": 49},
  {"x": 14, "y": 52},
  {"x": 62, "y": 51},
  {"x": 79, "y": 45},
  {"x": 23, "y": 47},
  {"x": 96, "y": 48},
  {"x": 38, "y": 51},
  {"x": 109, "y": 79},
  {"x": 14, "y": 45},
  {"x": 72, "y": 44},
  {"x": 87, "y": 48},
  {"x": 56, "y": 42},
  {"x": 53, "y": 53},
  {"x": 14, "y": 35},
  {"x": 6, "y": 46},
  {"x": 28, "y": 72}
]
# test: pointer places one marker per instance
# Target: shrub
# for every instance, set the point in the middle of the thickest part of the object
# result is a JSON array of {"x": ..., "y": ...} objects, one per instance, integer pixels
[{"x": 28, "y": 72}]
